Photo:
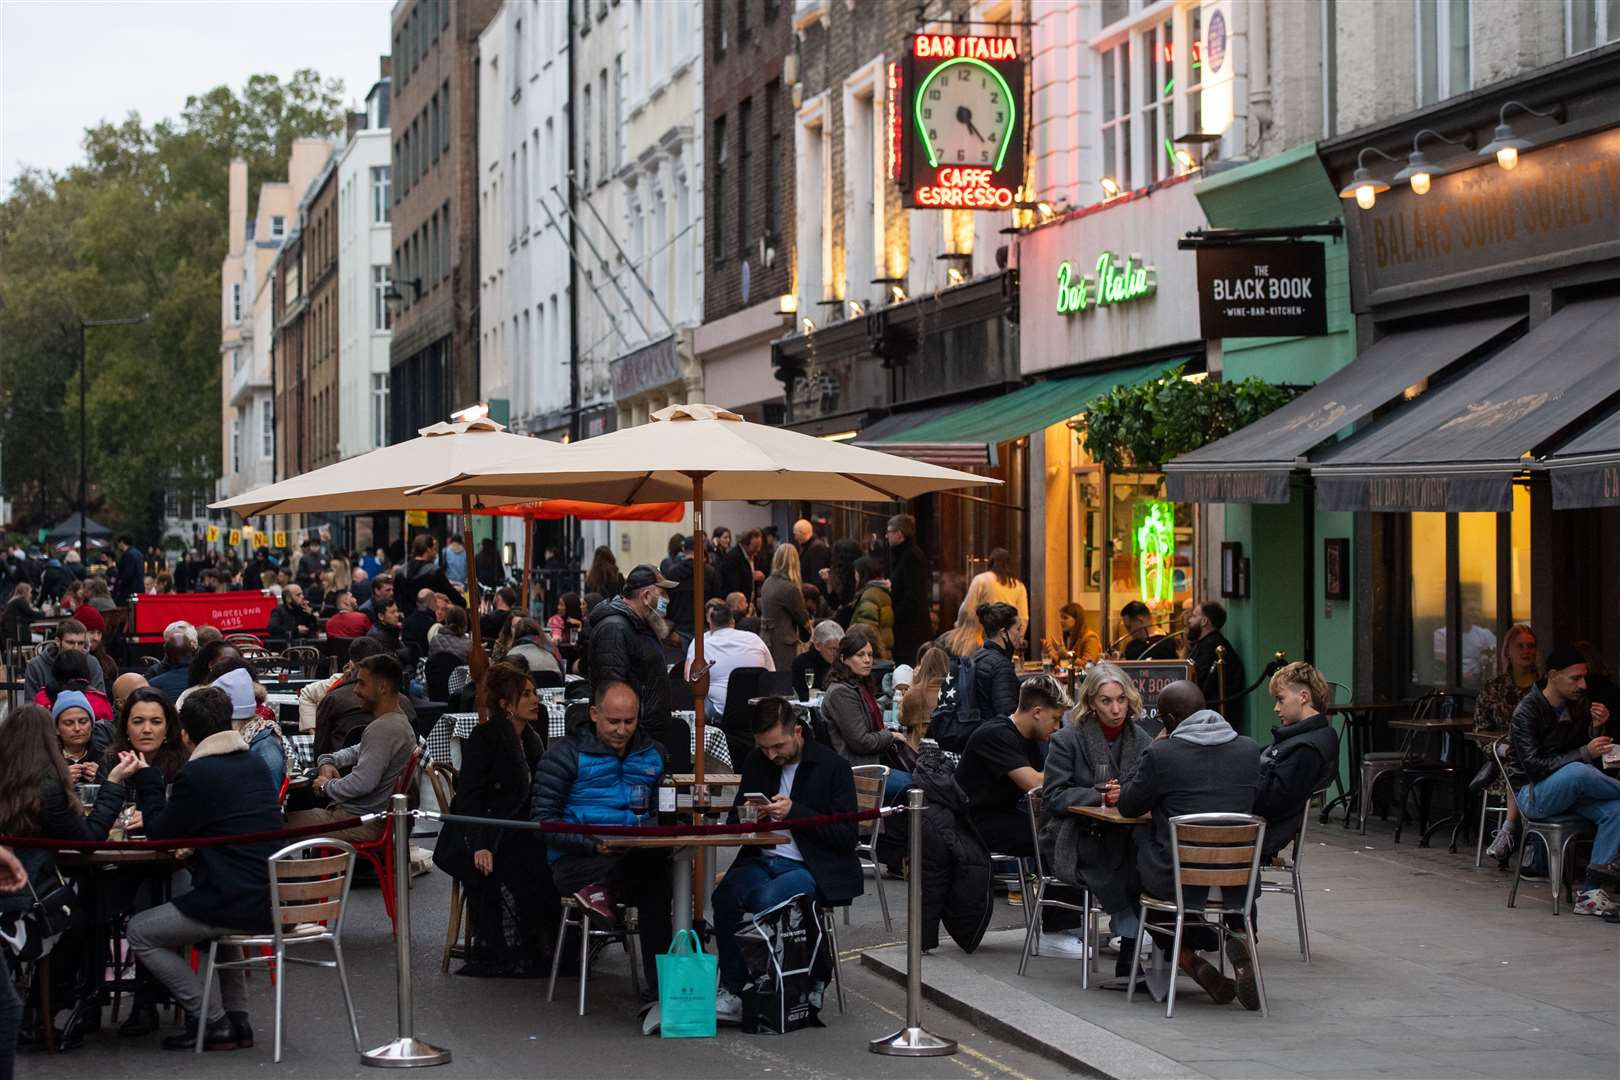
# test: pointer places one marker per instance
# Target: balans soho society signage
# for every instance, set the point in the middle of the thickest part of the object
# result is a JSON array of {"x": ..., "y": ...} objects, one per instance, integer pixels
[
  {"x": 1262, "y": 290},
  {"x": 1112, "y": 281}
]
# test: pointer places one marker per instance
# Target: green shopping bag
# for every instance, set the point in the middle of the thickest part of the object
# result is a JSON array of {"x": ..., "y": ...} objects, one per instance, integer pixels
[{"x": 686, "y": 988}]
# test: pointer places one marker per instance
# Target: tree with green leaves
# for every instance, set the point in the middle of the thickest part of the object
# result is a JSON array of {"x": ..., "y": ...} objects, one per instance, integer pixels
[
  {"x": 139, "y": 226},
  {"x": 1146, "y": 425}
]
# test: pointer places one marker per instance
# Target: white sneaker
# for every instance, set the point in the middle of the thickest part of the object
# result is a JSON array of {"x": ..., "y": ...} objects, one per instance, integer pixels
[
  {"x": 1111, "y": 946},
  {"x": 727, "y": 1006},
  {"x": 1594, "y": 902},
  {"x": 1066, "y": 943}
]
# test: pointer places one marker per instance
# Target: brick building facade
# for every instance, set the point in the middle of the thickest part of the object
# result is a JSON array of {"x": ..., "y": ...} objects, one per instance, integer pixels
[
  {"x": 320, "y": 243},
  {"x": 287, "y": 358},
  {"x": 433, "y": 357}
]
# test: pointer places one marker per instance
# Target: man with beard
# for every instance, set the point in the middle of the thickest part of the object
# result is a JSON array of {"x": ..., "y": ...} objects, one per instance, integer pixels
[{"x": 1204, "y": 636}]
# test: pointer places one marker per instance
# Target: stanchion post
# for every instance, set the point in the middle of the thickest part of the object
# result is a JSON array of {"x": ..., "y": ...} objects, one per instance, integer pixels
[
  {"x": 914, "y": 1040},
  {"x": 406, "y": 1051}
]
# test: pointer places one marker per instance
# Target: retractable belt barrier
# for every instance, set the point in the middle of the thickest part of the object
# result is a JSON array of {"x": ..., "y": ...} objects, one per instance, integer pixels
[{"x": 407, "y": 1051}]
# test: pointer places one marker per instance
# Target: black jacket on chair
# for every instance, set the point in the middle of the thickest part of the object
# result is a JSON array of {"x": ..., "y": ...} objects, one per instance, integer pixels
[
  {"x": 494, "y": 783},
  {"x": 1301, "y": 760},
  {"x": 956, "y": 861},
  {"x": 824, "y": 784},
  {"x": 222, "y": 791}
]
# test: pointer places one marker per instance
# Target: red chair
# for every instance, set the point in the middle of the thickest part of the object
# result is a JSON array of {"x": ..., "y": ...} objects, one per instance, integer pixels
[{"x": 380, "y": 852}]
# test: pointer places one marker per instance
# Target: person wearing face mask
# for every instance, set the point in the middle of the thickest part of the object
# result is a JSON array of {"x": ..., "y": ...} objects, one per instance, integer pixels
[
  {"x": 1086, "y": 763},
  {"x": 624, "y": 647}
]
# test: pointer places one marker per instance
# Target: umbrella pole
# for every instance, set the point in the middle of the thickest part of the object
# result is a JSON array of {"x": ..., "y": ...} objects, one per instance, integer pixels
[
  {"x": 528, "y": 564},
  {"x": 700, "y": 685},
  {"x": 477, "y": 662}
]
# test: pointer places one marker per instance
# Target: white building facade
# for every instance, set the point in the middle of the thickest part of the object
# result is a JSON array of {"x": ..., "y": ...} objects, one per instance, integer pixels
[{"x": 365, "y": 202}]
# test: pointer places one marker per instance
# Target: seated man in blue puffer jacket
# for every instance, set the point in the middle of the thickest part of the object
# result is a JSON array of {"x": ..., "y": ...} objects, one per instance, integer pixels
[{"x": 588, "y": 776}]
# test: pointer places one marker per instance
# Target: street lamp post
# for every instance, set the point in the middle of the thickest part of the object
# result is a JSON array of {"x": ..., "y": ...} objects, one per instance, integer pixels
[{"x": 84, "y": 454}]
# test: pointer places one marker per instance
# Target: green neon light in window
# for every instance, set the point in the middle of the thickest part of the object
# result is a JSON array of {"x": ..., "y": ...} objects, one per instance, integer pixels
[
  {"x": 1006, "y": 91},
  {"x": 1154, "y": 540}
]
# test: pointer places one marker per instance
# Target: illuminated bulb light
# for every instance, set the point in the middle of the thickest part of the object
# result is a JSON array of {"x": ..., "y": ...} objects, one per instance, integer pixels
[
  {"x": 1366, "y": 196},
  {"x": 953, "y": 275},
  {"x": 1186, "y": 160},
  {"x": 855, "y": 309},
  {"x": 808, "y": 326},
  {"x": 787, "y": 304},
  {"x": 1508, "y": 157},
  {"x": 1110, "y": 187},
  {"x": 896, "y": 293},
  {"x": 1420, "y": 183}
]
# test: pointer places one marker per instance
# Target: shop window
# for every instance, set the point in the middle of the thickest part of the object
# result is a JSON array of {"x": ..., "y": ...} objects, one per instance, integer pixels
[
  {"x": 1519, "y": 563},
  {"x": 1151, "y": 546},
  {"x": 1476, "y": 577},
  {"x": 1427, "y": 599}
]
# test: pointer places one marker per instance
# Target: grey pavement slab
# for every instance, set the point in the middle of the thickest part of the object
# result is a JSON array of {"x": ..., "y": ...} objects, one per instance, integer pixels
[{"x": 1418, "y": 970}]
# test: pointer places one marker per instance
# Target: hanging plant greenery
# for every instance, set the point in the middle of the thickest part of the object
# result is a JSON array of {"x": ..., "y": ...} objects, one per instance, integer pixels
[{"x": 1142, "y": 427}]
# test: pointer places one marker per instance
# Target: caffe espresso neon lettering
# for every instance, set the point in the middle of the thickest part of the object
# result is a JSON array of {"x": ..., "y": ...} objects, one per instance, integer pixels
[{"x": 1112, "y": 282}]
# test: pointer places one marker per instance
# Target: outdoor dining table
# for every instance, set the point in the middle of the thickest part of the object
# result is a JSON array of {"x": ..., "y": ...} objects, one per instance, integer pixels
[
  {"x": 1462, "y": 765},
  {"x": 1109, "y": 814},
  {"x": 1157, "y": 978},
  {"x": 444, "y": 741}
]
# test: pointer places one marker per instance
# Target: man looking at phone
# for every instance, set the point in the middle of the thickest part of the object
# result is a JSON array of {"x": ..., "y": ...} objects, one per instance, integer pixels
[
  {"x": 787, "y": 777},
  {"x": 1557, "y": 766}
]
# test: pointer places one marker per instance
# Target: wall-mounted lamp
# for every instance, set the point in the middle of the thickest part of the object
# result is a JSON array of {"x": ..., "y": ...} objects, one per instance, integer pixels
[
  {"x": 1185, "y": 160},
  {"x": 855, "y": 309},
  {"x": 896, "y": 287},
  {"x": 807, "y": 326},
  {"x": 787, "y": 304},
  {"x": 1504, "y": 143},
  {"x": 1110, "y": 187},
  {"x": 1363, "y": 186},
  {"x": 953, "y": 276},
  {"x": 1419, "y": 169}
]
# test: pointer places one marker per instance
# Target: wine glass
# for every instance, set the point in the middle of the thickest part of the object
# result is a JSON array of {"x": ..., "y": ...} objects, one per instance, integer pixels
[{"x": 639, "y": 796}]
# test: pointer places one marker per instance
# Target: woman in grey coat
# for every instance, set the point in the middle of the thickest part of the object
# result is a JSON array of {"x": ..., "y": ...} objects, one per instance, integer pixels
[
  {"x": 1086, "y": 764},
  {"x": 850, "y": 708},
  {"x": 782, "y": 614}
]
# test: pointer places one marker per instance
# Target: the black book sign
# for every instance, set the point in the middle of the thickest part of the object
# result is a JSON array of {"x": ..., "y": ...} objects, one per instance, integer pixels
[{"x": 1262, "y": 290}]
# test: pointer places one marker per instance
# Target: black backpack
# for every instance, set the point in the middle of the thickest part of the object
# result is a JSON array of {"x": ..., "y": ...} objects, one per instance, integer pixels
[{"x": 957, "y": 713}]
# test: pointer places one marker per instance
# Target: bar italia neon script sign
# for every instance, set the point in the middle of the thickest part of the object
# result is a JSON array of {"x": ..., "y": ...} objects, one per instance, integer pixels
[
  {"x": 1112, "y": 282},
  {"x": 963, "y": 137}
]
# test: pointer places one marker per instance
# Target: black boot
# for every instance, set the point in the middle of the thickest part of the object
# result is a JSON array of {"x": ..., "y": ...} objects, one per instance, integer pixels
[
  {"x": 242, "y": 1029},
  {"x": 1126, "y": 957},
  {"x": 220, "y": 1035},
  {"x": 143, "y": 1020}
]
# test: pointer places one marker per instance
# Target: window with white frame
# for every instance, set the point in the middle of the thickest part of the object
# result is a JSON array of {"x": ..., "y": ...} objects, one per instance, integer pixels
[
  {"x": 1591, "y": 23},
  {"x": 381, "y": 319},
  {"x": 267, "y": 430},
  {"x": 1444, "y": 58},
  {"x": 379, "y": 408},
  {"x": 236, "y": 361},
  {"x": 1150, "y": 92},
  {"x": 1116, "y": 114},
  {"x": 171, "y": 504},
  {"x": 278, "y": 226},
  {"x": 236, "y": 444},
  {"x": 236, "y": 301},
  {"x": 382, "y": 200},
  {"x": 585, "y": 130}
]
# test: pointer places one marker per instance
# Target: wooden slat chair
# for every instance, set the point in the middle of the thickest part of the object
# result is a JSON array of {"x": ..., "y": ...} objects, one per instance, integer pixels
[
  {"x": 309, "y": 895},
  {"x": 1209, "y": 850}
]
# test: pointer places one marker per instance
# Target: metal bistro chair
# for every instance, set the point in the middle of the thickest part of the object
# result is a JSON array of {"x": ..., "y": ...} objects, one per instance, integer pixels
[
  {"x": 1032, "y": 934},
  {"x": 1208, "y": 850},
  {"x": 308, "y": 896},
  {"x": 1556, "y": 832},
  {"x": 1493, "y": 804},
  {"x": 443, "y": 779},
  {"x": 626, "y": 933},
  {"x": 1294, "y": 886},
  {"x": 829, "y": 927},
  {"x": 870, "y": 783},
  {"x": 307, "y": 657}
]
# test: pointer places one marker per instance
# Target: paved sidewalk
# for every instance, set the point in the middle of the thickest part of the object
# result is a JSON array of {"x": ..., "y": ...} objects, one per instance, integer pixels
[{"x": 1418, "y": 970}]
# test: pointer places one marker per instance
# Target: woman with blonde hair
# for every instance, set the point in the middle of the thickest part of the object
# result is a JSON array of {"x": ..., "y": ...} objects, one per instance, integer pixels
[
  {"x": 784, "y": 620},
  {"x": 1087, "y": 762},
  {"x": 1517, "y": 670},
  {"x": 998, "y": 585},
  {"x": 967, "y": 636},
  {"x": 342, "y": 576},
  {"x": 1303, "y": 756}
]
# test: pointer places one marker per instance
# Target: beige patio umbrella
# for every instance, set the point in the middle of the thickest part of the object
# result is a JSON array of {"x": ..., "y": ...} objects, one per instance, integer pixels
[
  {"x": 699, "y": 452},
  {"x": 385, "y": 479}
]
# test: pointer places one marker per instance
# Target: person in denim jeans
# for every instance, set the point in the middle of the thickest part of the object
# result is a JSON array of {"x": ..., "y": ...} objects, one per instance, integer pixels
[{"x": 1558, "y": 746}]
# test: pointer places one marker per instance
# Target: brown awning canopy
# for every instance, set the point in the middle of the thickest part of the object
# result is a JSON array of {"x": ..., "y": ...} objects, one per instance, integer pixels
[
  {"x": 1253, "y": 465},
  {"x": 1458, "y": 447}
]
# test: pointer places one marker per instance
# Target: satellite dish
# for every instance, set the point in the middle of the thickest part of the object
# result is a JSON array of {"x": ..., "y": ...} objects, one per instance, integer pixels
[{"x": 747, "y": 281}]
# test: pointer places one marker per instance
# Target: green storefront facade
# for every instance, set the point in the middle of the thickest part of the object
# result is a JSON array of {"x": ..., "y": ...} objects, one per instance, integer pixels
[{"x": 1285, "y": 609}]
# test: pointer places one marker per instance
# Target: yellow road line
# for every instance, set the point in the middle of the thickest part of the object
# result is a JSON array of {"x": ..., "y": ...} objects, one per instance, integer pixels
[{"x": 963, "y": 1047}]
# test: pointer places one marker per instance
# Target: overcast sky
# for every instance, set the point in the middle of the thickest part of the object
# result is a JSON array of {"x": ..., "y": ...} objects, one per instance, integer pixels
[{"x": 67, "y": 64}]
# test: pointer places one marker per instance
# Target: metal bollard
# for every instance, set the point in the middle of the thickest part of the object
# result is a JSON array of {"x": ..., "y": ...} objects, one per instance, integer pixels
[
  {"x": 914, "y": 1040},
  {"x": 407, "y": 1051}
]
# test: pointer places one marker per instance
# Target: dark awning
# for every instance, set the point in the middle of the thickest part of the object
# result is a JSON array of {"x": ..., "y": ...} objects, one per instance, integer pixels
[
  {"x": 964, "y": 434},
  {"x": 1458, "y": 447},
  {"x": 1586, "y": 470},
  {"x": 1253, "y": 465}
]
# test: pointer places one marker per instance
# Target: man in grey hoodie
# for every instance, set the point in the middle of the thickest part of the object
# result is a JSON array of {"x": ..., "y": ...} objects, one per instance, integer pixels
[{"x": 1197, "y": 765}]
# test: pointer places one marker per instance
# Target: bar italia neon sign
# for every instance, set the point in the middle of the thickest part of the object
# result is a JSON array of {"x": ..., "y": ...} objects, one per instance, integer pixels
[
  {"x": 962, "y": 143},
  {"x": 1110, "y": 283}
]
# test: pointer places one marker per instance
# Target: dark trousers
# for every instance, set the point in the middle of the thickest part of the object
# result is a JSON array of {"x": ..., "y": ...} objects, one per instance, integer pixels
[
  {"x": 11, "y": 1008},
  {"x": 643, "y": 879},
  {"x": 753, "y": 884},
  {"x": 513, "y": 912}
]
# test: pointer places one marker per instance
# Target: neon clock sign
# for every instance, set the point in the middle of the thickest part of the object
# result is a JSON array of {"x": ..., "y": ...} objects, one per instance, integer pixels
[{"x": 961, "y": 137}]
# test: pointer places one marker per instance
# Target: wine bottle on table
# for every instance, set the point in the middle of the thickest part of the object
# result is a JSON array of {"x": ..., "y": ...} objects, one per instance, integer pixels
[{"x": 666, "y": 800}]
